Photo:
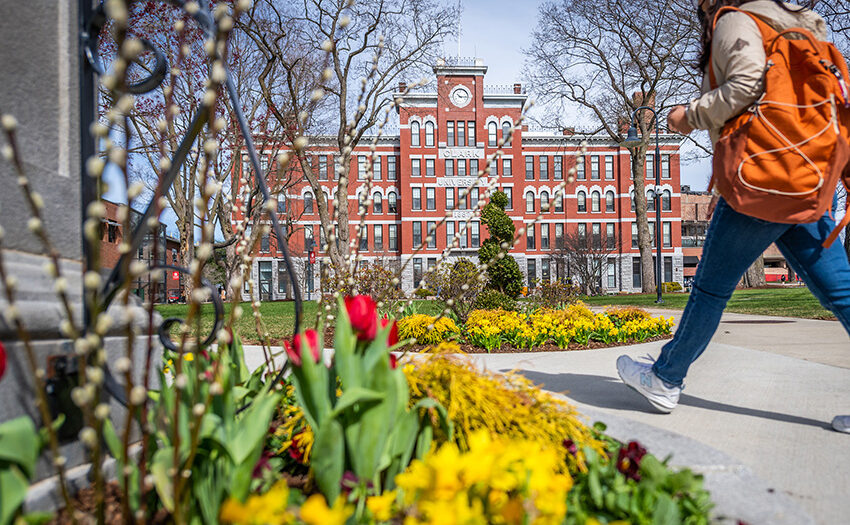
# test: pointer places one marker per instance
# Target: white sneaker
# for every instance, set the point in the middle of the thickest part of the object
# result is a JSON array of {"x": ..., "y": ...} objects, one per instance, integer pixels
[
  {"x": 643, "y": 380},
  {"x": 841, "y": 424}
]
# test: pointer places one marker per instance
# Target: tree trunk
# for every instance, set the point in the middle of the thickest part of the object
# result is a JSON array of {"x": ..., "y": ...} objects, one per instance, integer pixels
[
  {"x": 754, "y": 277},
  {"x": 644, "y": 242}
]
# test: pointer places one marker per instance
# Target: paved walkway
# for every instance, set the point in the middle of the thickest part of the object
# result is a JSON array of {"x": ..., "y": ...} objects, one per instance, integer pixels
[{"x": 766, "y": 403}]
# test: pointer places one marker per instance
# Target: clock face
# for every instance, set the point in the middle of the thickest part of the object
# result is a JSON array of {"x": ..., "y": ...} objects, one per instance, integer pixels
[{"x": 460, "y": 96}]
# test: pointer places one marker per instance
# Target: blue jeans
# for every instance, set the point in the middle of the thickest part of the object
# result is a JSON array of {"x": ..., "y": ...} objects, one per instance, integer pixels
[{"x": 733, "y": 242}]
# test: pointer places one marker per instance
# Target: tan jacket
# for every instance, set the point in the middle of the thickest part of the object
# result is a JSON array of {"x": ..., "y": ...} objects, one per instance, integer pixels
[{"x": 737, "y": 54}]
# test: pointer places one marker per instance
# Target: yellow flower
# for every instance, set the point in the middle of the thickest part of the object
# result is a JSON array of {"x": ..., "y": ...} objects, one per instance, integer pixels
[
  {"x": 315, "y": 511},
  {"x": 265, "y": 509},
  {"x": 381, "y": 506},
  {"x": 188, "y": 356}
]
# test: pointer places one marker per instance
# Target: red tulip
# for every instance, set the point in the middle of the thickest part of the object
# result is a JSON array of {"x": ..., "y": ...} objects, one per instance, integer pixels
[
  {"x": 393, "y": 361},
  {"x": 295, "y": 350},
  {"x": 363, "y": 314},
  {"x": 393, "y": 337},
  {"x": 628, "y": 460},
  {"x": 2, "y": 360}
]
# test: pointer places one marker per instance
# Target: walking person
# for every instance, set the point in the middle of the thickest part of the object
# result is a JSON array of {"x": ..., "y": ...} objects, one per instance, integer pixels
[{"x": 735, "y": 50}]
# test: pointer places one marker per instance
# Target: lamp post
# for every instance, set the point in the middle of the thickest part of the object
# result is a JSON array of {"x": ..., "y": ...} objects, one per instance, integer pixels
[{"x": 633, "y": 141}]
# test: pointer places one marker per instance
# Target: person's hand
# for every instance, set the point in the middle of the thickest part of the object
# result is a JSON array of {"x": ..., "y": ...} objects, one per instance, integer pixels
[{"x": 677, "y": 121}]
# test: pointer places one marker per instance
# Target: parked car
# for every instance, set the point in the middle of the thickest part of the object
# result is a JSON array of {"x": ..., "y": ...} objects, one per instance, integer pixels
[{"x": 174, "y": 296}]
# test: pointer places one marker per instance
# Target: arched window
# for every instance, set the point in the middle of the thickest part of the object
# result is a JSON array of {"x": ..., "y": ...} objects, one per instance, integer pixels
[
  {"x": 650, "y": 200},
  {"x": 582, "y": 201},
  {"x": 377, "y": 203},
  {"x": 414, "y": 133},
  {"x": 529, "y": 202},
  {"x": 544, "y": 202},
  {"x": 392, "y": 203},
  {"x": 491, "y": 134},
  {"x": 666, "y": 205},
  {"x": 609, "y": 201},
  {"x": 506, "y": 133},
  {"x": 594, "y": 202},
  {"x": 429, "y": 134},
  {"x": 308, "y": 202}
]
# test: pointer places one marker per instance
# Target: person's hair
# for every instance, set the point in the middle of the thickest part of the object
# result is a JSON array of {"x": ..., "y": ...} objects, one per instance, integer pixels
[{"x": 707, "y": 18}]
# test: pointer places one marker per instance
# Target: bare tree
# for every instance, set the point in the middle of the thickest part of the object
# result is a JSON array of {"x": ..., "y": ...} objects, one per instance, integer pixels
[
  {"x": 583, "y": 258},
  {"x": 355, "y": 53},
  {"x": 610, "y": 58}
]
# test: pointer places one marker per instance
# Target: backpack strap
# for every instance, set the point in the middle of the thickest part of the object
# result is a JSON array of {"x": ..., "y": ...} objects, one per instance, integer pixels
[{"x": 768, "y": 35}]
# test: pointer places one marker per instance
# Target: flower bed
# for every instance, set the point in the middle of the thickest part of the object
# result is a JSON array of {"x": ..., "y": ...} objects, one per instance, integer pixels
[{"x": 575, "y": 326}]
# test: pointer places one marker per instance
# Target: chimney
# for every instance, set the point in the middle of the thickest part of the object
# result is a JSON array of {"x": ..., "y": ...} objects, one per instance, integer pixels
[
  {"x": 517, "y": 88},
  {"x": 569, "y": 132},
  {"x": 402, "y": 87},
  {"x": 686, "y": 188}
]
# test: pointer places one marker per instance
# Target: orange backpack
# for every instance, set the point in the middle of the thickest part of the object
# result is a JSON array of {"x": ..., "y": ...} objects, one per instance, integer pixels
[{"x": 780, "y": 160}]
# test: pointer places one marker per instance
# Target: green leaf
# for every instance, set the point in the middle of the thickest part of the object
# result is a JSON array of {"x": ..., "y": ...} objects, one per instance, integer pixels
[
  {"x": 327, "y": 458},
  {"x": 345, "y": 361},
  {"x": 355, "y": 395},
  {"x": 666, "y": 511},
  {"x": 594, "y": 487},
  {"x": 19, "y": 443},
  {"x": 161, "y": 463},
  {"x": 13, "y": 491},
  {"x": 252, "y": 426}
]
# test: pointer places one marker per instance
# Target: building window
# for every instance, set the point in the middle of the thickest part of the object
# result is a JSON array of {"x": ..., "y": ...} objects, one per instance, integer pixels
[
  {"x": 581, "y": 233},
  {"x": 544, "y": 201},
  {"x": 594, "y": 202},
  {"x": 594, "y": 167},
  {"x": 475, "y": 235},
  {"x": 450, "y": 168},
  {"x": 610, "y": 239},
  {"x": 596, "y": 235},
  {"x": 378, "y": 234},
  {"x": 450, "y": 233},
  {"x": 308, "y": 203},
  {"x": 417, "y": 271},
  {"x": 506, "y": 133},
  {"x": 506, "y": 168},
  {"x": 281, "y": 203},
  {"x": 473, "y": 167},
  {"x": 392, "y": 203},
  {"x": 429, "y": 134},
  {"x": 532, "y": 273},
  {"x": 509, "y": 191},
  {"x": 529, "y": 237},
  {"x": 636, "y": 274},
  {"x": 391, "y": 173},
  {"x": 529, "y": 168},
  {"x": 282, "y": 279},
  {"x": 650, "y": 200},
  {"x": 665, "y": 166},
  {"x": 414, "y": 134},
  {"x": 544, "y": 167},
  {"x": 609, "y": 167},
  {"x": 666, "y": 234},
  {"x": 461, "y": 198},
  {"x": 652, "y": 234},
  {"x": 470, "y": 129},
  {"x": 559, "y": 236},
  {"x": 364, "y": 239},
  {"x": 417, "y": 234},
  {"x": 376, "y": 168},
  {"x": 450, "y": 198},
  {"x": 474, "y": 194},
  {"x": 529, "y": 202},
  {"x": 309, "y": 243},
  {"x": 265, "y": 243},
  {"x": 430, "y": 199},
  {"x": 415, "y": 168},
  {"x": 432, "y": 234},
  {"x": 648, "y": 165},
  {"x": 450, "y": 133},
  {"x": 544, "y": 236},
  {"x": 581, "y": 174},
  {"x": 609, "y": 201},
  {"x": 559, "y": 203},
  {"x": 393, "y": 237},
  {"x": 558, "y": 168},
  {"x": 416, "y": 199},
  {"x": 362, "y": 167},
  {"x": 632, "y": 199},
  {"x": 491, "y": 134},
  {"x": 545, "y": 274},
  {"x": 668, "y": 269},
  {"x": 377, "y": 203},
  {"x": 666, "y": 205},
  {"x": 581, "y": 200},
  {"x": 429, "y": 167},
  {"x": 461, "y": 168},
  {"x": 323, "y": 167},
  {"x": 461, "y": 133},
  {"x": 634, "y": 235},
  {"x": 612, "y": 274},
  {"x": 462, "y": 234}
]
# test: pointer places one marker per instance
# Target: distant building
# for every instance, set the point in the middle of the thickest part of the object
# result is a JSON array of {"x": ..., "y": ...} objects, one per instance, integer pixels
[
  {"x": 695, "y": 221},
  {"x": 169, "y": 288},
  {"x": 445, "y": 137}
]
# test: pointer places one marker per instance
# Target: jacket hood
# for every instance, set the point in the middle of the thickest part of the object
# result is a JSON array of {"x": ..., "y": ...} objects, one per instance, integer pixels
[{"x": 781, "y": 19}]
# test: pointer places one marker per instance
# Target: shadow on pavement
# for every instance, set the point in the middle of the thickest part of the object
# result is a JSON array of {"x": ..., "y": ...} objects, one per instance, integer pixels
[{"x": 608, "y": 392}]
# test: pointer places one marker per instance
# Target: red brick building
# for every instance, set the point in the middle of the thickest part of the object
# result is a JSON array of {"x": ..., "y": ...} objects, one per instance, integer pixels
[{"x": 445, "y": 136}]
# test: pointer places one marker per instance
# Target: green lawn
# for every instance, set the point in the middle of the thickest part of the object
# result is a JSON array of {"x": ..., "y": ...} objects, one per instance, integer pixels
[{"x": 786, "y": 302}]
